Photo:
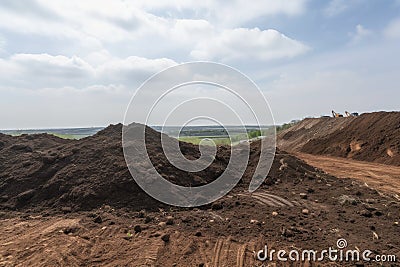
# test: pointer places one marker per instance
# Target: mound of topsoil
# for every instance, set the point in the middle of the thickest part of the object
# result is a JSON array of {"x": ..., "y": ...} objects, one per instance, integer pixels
[
  {"x": 46, "y": 171},
  {"x": 371, "y": 137}
]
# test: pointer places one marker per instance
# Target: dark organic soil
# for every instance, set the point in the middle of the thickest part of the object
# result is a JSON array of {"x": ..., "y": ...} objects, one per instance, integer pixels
[
  {"x": 40, "y": 171},
  {"x": 370, "y": 137}
]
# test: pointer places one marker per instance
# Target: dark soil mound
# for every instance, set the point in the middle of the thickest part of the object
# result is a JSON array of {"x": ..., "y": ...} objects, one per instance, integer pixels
[
  {"x": 371, "y": 137},
  {"x": 45, "y": 171}
]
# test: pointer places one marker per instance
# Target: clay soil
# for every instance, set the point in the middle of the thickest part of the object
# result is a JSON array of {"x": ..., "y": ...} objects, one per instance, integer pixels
[{"x": 74, "y": 203}]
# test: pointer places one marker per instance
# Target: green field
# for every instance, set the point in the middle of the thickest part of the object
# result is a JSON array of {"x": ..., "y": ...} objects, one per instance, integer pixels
[
  {"x": 224, "y": 140},
  {"x": 197, "y": 139}
]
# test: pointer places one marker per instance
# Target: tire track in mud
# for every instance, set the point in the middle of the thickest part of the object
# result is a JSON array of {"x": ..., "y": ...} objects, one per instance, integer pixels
[
  {"x": 217, "y": 252},
  {"x": 270, "y": 200},
  {"x": 151, "y": 254},
  {"x": 240, "y": 258},
  {"x": 227, "y": 252},
  {"x": 281, "y": 200}
]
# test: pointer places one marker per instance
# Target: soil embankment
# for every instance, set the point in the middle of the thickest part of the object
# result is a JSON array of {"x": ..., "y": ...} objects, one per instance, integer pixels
[{"x": 373, "y": 137}]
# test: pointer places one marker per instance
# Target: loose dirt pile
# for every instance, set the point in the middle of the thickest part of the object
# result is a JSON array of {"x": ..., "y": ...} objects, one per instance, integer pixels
[
  {"x": 66, "y": 203},
  {"x": 371, "y": 137},
  {"x": 41, "y": 171}
]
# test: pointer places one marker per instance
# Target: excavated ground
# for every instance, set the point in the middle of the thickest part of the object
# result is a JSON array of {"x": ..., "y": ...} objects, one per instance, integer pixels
[{"x": 74, "y": 203}]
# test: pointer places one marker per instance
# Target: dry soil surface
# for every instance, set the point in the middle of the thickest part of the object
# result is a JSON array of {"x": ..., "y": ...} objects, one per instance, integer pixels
[{"x": 385, "y": 178}]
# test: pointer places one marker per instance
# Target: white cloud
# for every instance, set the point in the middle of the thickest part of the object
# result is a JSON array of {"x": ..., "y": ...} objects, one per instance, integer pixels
[
  {"x": 233, "y": 13},
  {"x": 132, "y": 70},
  {"x": 68, "y": 20},
  {"x": 2, "y": 44},
  {"x": 251, "y": 44},
  {"x": 360, "y": 34},
  {"x": 42, "y": 71},
  {"x": 113, "y": 21},
  {"x": 393, "y": 29},
  {"x": 189, "y": 30},
  {"x": 52, "y": 64},
  {"x": 36, "y": 70},
  {"x": 336, "y": 7}
]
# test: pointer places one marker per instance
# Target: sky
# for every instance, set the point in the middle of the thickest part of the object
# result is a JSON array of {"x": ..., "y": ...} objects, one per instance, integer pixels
[{"x": 78, "y": 63}]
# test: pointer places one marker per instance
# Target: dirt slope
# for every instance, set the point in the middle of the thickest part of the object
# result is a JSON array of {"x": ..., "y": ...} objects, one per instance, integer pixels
[{"x": 371, "y": 137}]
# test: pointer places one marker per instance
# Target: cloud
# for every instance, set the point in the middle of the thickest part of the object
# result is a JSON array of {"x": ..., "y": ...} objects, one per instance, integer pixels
[
  {"x": 43, "y": 70},
  {"x": 53, "y": 65},
  {"x": 2, "y": 44},
  {"x": 36, "y": 70},
  {"x": 132, "y": 70},
  {"x": 360, "y": 34},
  {"x": 221, "y": 12},
  {"x": 62, "y": 20},
  {"x": 113, "y": 21},
  {"x": 251, "y": 44},
  {"x": 32, "y": 8},
  {"x": 393, "y": 29},
  {"x": 336, "y": 7}
]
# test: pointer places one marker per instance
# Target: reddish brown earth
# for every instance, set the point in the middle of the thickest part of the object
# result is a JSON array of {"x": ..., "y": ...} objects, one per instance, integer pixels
[
  {"x": 371, "y": 137},
  {"x": 74, "y": 203},
  {"x": 385, "y": 178}
]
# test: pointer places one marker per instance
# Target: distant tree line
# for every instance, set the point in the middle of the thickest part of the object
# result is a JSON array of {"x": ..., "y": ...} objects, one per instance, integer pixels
[
  {"x": 285, "y": 126},
  {"x": 254, "y": 133}
]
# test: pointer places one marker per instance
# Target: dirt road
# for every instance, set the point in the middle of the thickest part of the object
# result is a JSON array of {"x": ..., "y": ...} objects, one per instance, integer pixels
[{"x": 382, "y": 177}]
